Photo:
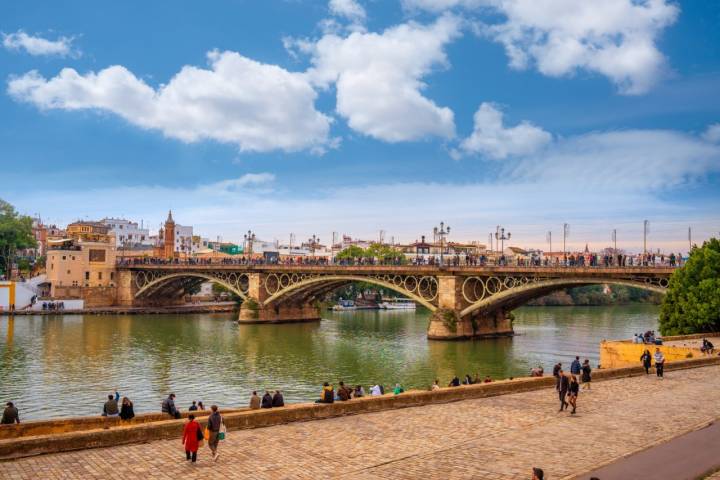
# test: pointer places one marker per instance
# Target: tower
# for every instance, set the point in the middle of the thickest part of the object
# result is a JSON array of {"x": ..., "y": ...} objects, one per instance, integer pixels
[{"x": 169, "y": 240}]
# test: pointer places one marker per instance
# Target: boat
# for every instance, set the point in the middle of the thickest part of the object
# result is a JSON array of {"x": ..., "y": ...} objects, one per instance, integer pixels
[
  {"x": 344, "y": 305},
  {"x": 398, "y": 304}
]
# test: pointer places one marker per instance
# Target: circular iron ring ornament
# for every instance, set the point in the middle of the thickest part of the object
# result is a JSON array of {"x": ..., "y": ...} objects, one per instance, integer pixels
[{"x": 428, "y": 288}]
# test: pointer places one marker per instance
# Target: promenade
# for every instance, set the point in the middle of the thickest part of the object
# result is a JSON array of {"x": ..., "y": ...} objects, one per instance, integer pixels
[{"x": 492, "y": 438}]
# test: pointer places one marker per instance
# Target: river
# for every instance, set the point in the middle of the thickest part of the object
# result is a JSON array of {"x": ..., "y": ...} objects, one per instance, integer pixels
[{"x": 65, "y": 365}]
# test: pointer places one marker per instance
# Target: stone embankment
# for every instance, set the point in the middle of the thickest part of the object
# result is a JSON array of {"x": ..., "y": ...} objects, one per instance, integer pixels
[
  {"x": 219, "y": 307},
  {"x": 622, "y": 353},
  {"x": 145, "y": 431}
]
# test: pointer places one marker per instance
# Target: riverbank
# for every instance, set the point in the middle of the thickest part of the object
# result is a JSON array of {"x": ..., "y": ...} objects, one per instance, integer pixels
[
  {"x": 502, "y": 436},
  {"x": 204, "y": 307}
]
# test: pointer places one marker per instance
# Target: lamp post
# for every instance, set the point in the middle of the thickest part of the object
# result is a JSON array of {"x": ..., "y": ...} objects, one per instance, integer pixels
[
  {"x": 614, "y": 239},
  {"x": 549, "y": 239},
  {"x": 500, "y": 236},
  {"x": 441, "y": 233},
  {"x": 566, "y": 232},
  {"x": 249, "y": 239},
  {"x": 313, "y": 241}
]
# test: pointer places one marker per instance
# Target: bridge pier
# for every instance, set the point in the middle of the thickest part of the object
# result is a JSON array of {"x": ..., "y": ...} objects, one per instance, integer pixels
[
  {"x": 251, "y": 312},
  {"x": 446, "y": 324}
]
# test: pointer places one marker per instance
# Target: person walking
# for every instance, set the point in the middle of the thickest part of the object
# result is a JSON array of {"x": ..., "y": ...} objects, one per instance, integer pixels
[
  {"x": 127, "y": 411},
  {"x": 267, "y": 400},
  {"x": 659, "y": 363},
  {"x": 556, "y": 373},
  {"x": 254, "y": 401},
  {"x": 586, "y": 374},
  {"x": 168, "y": 406},
  {"x": 192, "y": 435},
  {"x": 10, "y": 415},
  {"x": 214, "y": 425},
  {"x": 563, "y": 386},
  {"x": 646, "y": 360},
  {"x": 574, "y": 390},
  {"x": 278, "y": 400},
  {"x": 575, "y": 367},
  {"x": 110, "y": 409}
]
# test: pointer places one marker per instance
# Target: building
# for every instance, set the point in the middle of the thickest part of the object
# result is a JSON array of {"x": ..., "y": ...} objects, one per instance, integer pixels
[
  {"x": 127, "y": 233},
  {"x": 175, "y": 240},
  {"x": 82, "y": 265}
]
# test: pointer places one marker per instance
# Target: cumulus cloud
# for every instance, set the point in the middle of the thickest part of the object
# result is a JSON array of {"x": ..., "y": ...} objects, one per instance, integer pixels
[
  {"x": 378, "y": 78},
  {"x": 615, "y": 38},
  {"x": 492, "y": 139},
  {"x": 256, "y": 106},
  {"x": 349, "y": 9},
  {"x": 244, "y": 181},
  {"x": 712, "y": 134},
  {"x": 35, "y": 45}
]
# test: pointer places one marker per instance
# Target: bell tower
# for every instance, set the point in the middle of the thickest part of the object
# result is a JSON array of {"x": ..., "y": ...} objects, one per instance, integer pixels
[{"x": 169, "y": 240}]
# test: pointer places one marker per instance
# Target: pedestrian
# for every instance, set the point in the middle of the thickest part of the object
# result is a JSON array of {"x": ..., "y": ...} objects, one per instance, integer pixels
[
  {"x": 278, "y": 400},
  {"x": 168, "y": 406},
  {"x": 574, "y": 390},
  {"x": 193, "y": 407},
  {"x": 659, "y": 362},
  {"x": 538, "y": 474},
  {"x": 254, "y": 401},
  {"x": 556, "y": 369},
  {"x": 436, "y": 385},
  {"x": 267, "y": 400},
  {"x": 10, "y": 415},
  {"x": 214, "y": 424},
  {"x": 110, "y": 409},
  {"x": 398, "y": 389},
  {"x": 192, "y": 436},
  {"x": 126, "y": 409},
  {"x": 563, "y": 386},
  {"x": 575, "y": 367},
  {"x": 586, "y": 374},
  {"x": 646, "y": 360}
]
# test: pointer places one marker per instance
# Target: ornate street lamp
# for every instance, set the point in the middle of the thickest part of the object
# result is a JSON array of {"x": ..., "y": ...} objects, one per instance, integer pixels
[
  {"x": 313, "y": 241},
  {"x": 249, "y": 239},
  {"x": 500, "y": 235},
  {"x": 441, "y": 233}
]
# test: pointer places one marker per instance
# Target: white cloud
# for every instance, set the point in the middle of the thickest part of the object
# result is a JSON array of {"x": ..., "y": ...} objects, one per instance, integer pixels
[
  {"x": 493, "y": 140},
  {"x": 349, "y": 9},
  {"x": 616, "y": 38},
  {"x": 378, "y": 77},
  {"x": 596, "y": 182},
  {"x": 38, "y": 45},
  {"x": 258, "y": 107},
  {"x": 712, "y": 134}
]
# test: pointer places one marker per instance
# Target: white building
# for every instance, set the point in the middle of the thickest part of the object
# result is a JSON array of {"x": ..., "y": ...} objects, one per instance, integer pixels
[
  {"x": 127, "y": 233},
  {"x": 184, "y": 239}
]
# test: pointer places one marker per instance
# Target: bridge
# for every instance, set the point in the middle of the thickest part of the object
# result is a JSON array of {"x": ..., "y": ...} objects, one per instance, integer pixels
[{"x": 466, "y": 302}]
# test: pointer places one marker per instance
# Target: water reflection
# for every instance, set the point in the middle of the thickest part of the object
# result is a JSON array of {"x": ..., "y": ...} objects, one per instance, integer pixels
[{"x": 64, "y": 365}]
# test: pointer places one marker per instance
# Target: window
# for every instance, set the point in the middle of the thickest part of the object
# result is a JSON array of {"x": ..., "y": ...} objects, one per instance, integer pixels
[
  {"x": 63, "y": 257},
  {"x": 112, "y": 276},
  {"x": 87, "y": 275},
  {"x": 52, "y": 266},
  {"x": 68, "y": 272},
  {"x": 73, "y": 257},
  {"x": 97, "y": 255},
  {"x": 99, "y": 275}
]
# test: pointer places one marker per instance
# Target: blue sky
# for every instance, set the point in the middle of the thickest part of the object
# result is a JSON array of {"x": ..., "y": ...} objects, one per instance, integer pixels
[{"x": 354, "y": 116}]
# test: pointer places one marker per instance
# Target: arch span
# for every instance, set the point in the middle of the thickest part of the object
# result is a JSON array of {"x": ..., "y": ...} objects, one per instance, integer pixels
[
  {"x": 149, "y": 288},
  {"x": 317, "y": 285},
  {"x": 519, "y": 295}
]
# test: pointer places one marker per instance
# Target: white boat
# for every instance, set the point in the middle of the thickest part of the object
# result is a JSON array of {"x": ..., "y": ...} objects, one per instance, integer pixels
[
  {"x": 344, "y": 305},
  {"x": 397, "y": 304}
]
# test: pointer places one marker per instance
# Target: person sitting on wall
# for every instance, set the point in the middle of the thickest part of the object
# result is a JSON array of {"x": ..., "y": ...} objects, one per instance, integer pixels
[
  {"x": 278, "y": 400},
  {"x": 10, "y": 414},
  {"x": 110, "y": 409},
  {"x": 455, "y": 382},
  {"x": 327, "y": 395},
  {"x": 267, "y": 400},
  {"x": 707, "y": 347},
  {"x": 168, "y": 406}
]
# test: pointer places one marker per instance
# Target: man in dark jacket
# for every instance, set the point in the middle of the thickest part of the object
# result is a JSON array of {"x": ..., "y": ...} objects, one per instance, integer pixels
[
  {"x": 556, "y": 369},
  {"x": 10, "y": 414},
  {"x": 563, "y": 386},
  {"x": 110, "y": 409},
  {"x": 168, "y": 406},
  {"x": 213, "y": 425},
  {"x": 267, "y": 400},
  {"x": 278, "y": 400}
]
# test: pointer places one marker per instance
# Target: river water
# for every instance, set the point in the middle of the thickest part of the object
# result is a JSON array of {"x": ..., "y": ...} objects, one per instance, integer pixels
[{"x": 65, "y": 365}]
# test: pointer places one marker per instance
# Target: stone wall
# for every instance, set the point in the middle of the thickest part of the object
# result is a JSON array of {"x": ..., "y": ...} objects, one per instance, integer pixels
[
  {"x": 146, "y": 432},
  {"x": 623, "y": 353},
  {"x": 93, "y": 296}
]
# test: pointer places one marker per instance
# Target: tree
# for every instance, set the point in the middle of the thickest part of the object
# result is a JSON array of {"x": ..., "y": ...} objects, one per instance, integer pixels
[
  {"x": 692, "y": 303},
  {"x": 15, "y": 234},
  {"x": 352, "y": 252}
]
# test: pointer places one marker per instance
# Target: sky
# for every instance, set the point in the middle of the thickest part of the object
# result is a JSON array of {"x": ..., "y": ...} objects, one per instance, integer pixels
[{"x": 355, "y": 116}]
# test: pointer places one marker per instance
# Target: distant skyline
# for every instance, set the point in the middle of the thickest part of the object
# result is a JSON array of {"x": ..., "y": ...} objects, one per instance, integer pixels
[{"x": 358, "y": 116}]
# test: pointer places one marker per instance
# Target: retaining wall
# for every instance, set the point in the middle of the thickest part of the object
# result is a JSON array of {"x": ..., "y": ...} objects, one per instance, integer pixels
[{"x": 157, "y": 430}]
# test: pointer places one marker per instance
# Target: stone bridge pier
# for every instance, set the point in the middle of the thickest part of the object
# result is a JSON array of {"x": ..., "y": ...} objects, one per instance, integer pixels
[{"x": 259, "y": 307}]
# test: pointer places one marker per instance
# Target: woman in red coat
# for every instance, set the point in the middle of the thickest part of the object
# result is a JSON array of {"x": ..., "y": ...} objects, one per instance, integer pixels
[{"x": 192, "y": 433}]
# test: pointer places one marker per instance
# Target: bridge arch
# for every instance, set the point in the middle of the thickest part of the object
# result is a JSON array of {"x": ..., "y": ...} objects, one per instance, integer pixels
[
  {"x": 314, "y": 285},
  {"x": 517, "y": 296},
  {"x": 149, "y": 286}
]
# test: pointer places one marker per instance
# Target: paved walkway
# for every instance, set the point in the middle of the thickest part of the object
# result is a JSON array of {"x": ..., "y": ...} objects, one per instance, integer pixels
[{"x": 492, "y": 438}]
